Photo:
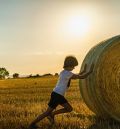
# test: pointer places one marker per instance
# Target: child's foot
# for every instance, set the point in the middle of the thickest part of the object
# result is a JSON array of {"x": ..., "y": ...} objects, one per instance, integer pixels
[
  {"x": 33, "y": 126},
  {"x": 51, "y": 118}
]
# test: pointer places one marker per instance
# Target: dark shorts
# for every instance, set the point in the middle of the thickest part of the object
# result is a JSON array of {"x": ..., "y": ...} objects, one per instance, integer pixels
[{"x": 56, "y": 99}]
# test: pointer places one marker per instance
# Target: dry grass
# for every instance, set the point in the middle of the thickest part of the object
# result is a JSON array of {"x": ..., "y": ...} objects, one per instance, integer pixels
[{"x": 21, "y": 100}]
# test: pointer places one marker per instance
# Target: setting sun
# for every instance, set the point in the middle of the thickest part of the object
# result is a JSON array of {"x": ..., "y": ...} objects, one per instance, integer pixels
[{"x": 77, "y": 26}]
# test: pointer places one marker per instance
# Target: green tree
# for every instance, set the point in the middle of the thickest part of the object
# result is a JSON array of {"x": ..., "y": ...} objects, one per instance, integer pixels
[{"x": 3, "y": 73}]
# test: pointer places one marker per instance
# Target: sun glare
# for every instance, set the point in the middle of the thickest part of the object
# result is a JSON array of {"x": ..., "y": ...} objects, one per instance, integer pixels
[{"x": 77, "y": 26}]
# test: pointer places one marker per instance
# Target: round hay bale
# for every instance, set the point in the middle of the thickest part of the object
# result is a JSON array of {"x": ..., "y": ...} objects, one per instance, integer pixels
[{"x": 101, "y": 89}]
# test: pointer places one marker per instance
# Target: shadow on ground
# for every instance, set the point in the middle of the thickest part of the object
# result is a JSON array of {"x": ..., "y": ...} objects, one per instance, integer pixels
[
  {"x": 80, "y": 123},
  {"x": 101, "y": 123}
]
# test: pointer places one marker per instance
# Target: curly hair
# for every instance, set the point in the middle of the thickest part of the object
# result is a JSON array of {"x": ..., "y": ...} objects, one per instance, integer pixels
[{"x": 70, "y": 61}]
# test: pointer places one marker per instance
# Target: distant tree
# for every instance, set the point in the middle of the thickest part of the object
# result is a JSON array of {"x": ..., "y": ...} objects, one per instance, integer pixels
[
  {"x": 37, "y": 75},
  {"x": 48, "y": 74},
  {"x": 3, "y": 73},
  {"x": 30, "y": 76},
  {"x": 15, "y": 75},
  {"x": 56, "y": 74},
  {"x": 33, "y": 76}
]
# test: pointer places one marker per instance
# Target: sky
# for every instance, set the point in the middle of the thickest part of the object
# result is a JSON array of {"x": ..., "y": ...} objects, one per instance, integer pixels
[{"x": 36, "y": 35}]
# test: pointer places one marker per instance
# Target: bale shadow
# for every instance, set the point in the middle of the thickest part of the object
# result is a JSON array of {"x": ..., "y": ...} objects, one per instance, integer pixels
[{"x": 101, "y": 123}]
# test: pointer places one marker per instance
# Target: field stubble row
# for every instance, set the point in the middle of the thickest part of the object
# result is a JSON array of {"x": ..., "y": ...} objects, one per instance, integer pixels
[{"x": 21, "y": 100}]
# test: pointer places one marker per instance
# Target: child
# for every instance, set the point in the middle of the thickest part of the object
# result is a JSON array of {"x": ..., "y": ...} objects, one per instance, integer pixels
[{"x": 57, "y": 95}]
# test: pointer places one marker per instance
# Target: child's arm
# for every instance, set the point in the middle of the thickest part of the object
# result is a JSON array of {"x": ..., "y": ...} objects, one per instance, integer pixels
[{"x": 84, "y": 75}]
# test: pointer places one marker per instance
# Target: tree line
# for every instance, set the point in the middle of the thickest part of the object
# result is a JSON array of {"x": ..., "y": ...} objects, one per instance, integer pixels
[{"x": 5, "y": 73}]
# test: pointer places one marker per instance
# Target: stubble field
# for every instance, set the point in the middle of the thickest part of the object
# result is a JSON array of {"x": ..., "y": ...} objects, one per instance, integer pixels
[{"x": 21, "y": 100}]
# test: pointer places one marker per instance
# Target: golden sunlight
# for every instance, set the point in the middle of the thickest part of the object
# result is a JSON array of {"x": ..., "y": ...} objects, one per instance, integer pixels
[{"x": 77, "y": 26}]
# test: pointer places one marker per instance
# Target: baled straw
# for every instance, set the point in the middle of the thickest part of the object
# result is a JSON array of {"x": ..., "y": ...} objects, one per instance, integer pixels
[{"x": 101, "y": 90}]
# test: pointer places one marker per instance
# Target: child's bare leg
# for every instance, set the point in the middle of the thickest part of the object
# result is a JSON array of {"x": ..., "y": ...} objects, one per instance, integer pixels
[
  {"x": 42, "y": 116},
  {"x": 67, "y": 108},
  {"x": 51, "y": 118}
]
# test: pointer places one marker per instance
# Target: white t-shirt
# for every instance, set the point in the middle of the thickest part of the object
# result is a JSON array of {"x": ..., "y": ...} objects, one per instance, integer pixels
[{"x": 62, "y": 83}]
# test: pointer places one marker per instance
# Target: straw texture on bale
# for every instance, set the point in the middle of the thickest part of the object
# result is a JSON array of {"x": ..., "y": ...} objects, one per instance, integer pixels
[{"x": 101, "y": 89}]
